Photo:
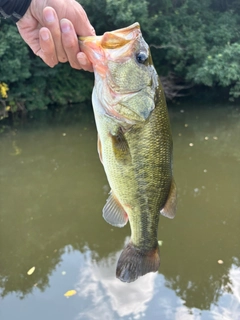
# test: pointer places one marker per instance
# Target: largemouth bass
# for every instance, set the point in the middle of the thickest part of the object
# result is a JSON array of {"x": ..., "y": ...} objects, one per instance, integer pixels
[{"x": 134, "y": 143}]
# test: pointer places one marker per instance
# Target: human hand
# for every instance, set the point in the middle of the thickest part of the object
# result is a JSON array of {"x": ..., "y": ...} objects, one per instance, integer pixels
[{"x": 50, "y": 28}]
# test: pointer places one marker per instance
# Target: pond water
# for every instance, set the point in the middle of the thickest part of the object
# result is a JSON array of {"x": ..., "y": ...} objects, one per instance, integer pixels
[{"x": 52, "y": 191}]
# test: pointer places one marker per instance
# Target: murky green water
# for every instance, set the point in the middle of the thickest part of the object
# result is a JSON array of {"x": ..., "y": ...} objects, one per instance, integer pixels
[{"x": 52, "y": 190}]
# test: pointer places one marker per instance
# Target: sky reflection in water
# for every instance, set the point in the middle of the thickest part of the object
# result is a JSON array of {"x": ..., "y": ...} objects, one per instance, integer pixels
[
  {"x": 99, "y": 293},
  {"x": 51, "y": 198}
]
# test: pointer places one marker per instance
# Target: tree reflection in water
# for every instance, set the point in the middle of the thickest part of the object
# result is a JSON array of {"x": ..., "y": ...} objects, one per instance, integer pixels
[{"x": 51, "y": 199}]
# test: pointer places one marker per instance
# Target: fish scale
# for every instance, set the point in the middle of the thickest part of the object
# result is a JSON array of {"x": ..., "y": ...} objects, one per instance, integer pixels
[{"x": 134, "y": 143}]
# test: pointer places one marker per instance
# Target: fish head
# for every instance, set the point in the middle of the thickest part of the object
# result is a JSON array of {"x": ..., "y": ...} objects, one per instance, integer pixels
[{"x": 125, "y": 78}]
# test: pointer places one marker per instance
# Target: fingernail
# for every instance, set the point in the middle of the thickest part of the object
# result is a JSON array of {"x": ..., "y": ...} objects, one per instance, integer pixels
[
  {"x": 65, "y": 26},
  {"x": 83, "y": 62},
  {"x": 49, "y": 16},
  {"x": 82, "y": 59},
  {"x": 93, "y": 30},
  {"x": 44, "y": 35}
]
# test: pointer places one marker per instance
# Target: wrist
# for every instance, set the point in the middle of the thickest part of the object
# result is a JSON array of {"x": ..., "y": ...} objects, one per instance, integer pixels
[{"x": 15, "y": 9}]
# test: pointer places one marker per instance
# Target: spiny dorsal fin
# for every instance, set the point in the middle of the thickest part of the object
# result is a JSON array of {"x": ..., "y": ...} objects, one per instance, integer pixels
[
  {"x": 114, "y": 213},
  {"x": 169, "y": 209}
]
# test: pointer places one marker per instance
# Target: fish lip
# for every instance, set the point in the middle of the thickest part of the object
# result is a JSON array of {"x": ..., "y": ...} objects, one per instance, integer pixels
[
  {"x": 132, "y": 26},
  {"x": 109, "y": 40},
  {"x": 122, "y": 30}
]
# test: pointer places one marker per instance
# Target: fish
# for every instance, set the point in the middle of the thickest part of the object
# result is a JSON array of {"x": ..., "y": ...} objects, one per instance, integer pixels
[{"x": 134, "y": 143}]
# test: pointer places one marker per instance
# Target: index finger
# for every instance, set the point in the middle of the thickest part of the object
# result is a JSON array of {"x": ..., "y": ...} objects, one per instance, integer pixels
[
  {"x": 70, "y": 42},
  {"x": 81, "y": 22},
  {"x": 77, "y": 60}
]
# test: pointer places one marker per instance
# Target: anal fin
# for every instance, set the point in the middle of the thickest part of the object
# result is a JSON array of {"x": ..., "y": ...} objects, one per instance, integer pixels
[
  {"x": 114, "y": 213},
  {"x": 169, "y": 209}
]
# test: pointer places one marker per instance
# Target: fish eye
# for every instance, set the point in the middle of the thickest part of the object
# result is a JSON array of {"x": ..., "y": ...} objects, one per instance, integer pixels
[{"x": 141, "y": 57}]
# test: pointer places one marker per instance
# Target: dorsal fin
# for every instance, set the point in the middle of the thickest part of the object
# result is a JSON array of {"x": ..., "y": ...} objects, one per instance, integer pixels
[
  {"x": 114, "y": 213},
  {"x": 169, "y": 209}
]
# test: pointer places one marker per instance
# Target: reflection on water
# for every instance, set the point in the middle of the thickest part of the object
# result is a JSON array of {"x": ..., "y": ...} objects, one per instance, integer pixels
[
  {"x": 98, "y": 281},
  {"x": 52, "y": 190},
  {"x": 229, "y": 303}
]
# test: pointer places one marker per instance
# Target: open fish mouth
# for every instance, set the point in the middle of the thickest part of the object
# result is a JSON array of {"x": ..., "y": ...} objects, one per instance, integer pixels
[
  {"x": 111, "y": 44},
  {"x": 127, "y": 33}
]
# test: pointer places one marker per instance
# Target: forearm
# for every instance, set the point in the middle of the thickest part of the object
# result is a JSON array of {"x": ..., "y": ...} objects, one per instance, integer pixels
[{"x": 13, "y": 9}]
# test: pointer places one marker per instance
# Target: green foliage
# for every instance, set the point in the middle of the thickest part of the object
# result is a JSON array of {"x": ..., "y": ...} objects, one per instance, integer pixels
[
  {"x": 106, "y": 15},
  {"x": 32, "y": 84},
  {"x": 14, "y": 64},
  {"x": 198, "y": 41},
  {"x": 60, "y": 86},
  {"x": 183, "y": 35},
  {"x": 223, "y": 69}
]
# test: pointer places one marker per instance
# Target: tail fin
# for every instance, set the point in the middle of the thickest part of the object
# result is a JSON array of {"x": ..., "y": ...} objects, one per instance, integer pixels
[{"x": 135, "y": 262}]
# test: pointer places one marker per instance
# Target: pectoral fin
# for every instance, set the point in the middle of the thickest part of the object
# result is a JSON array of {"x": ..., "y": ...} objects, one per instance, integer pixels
[
  {"x": 169, "y": 210},
  {"x": 119, "y": 142},
  {"x": 114, "y": 213},
  {"x": 120, "y": 146}
]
